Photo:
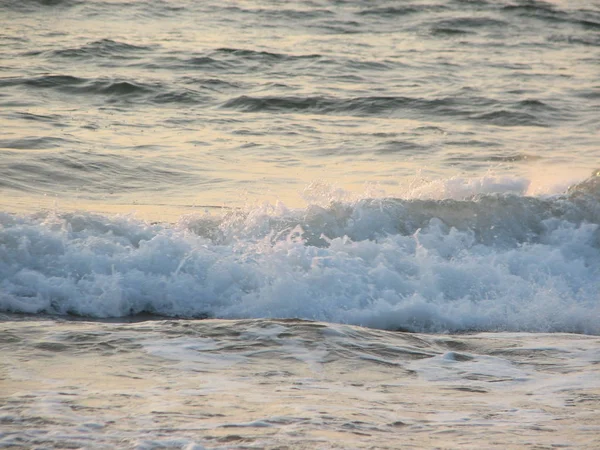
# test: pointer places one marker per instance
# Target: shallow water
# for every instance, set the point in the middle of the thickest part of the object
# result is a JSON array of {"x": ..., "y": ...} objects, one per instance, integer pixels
[{"x": 292, "y": 384}]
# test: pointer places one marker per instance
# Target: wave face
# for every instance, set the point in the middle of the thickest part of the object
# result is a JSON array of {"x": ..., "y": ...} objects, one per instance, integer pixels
[{"x": 491, "y": 262}]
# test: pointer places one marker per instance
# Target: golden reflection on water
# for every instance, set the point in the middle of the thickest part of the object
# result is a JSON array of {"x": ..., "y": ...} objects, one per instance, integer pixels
[{"x": 165, "y": 160}]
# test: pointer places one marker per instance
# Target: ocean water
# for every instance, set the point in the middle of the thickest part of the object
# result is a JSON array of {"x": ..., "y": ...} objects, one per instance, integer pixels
[{"x": 314, "y": 224}]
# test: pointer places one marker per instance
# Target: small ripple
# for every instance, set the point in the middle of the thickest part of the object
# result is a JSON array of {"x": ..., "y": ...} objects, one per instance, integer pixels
[
  {"x": 101, "y": 174},
  {"x": 360, "y": 106},
  {"x": 593, "y": 93},
  {"x": 37, "y": 5},
  {"x": 591, "y": 24},
  {"x": 498, "y": 158},
  {"x": 583, "y": 18},
  {"x": 588, "y": 40},
  {"x": 317, "y": 104},
  {"x": 471, "y": 22},
  {"x": 121, "y": 88},
  {"x": 33, "y": 143},
  {"x": 226, "y": 59},
  {"x": 465, "y": 25},
  {"x": 507, "y": 118},
  {"x": 533, "y": 7},
  {"x": 260, "y": 55},
  {"x": 535, "y": 105},
  {"x": 249, "y": 54},
  {"x": 529, "y": 112},
  {"x": 104, "y": 48},
  {"x": 114, "y": 90},
  {"x": 279, "y": 13},
  {"x": 472, "y": 2},
  {"x": 339, "y": 26},
  {"x": 205, "y": 62},
  {"x": 390, "y": 11},
  {"x": 180, "y": 96},
  {"x": 407, "y": 148},
  {"x": 211, "y": 84},
  {"x": 444, "y": 31},
  {"x": 54, "y": 119},
  {"x": 43, "y": 81}
]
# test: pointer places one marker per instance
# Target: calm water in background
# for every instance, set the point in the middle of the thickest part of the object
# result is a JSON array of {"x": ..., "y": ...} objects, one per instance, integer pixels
[
  {"x": 419, "y": 166},
  {"x": 217, "y": 103}
]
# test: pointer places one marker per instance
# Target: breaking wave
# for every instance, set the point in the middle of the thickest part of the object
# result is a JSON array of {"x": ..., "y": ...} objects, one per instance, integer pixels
[{"x": 479, "y": 261}]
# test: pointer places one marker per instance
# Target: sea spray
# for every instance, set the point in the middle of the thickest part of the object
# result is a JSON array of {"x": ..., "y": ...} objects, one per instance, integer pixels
[{"x": 488, "y": 262}]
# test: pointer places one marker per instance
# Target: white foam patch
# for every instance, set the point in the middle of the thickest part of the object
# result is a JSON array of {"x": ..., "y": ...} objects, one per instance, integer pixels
[
  {"x": 451, "y": 367},
  {"x": 499, "y": 263},
  {"x": 193, "y": 353},
  {"x": 458, "y": 188}
]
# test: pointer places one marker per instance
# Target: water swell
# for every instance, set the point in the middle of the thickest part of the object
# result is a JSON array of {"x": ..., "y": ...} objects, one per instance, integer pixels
[
  {"x": 507, "y": 118},
  {"x": 104, "y": 48},
  {"x": 34, "y": 143},
  {"x": 461, "y": 107},
  {"x": 304, "y": 15},
  {"x": 582, "y": 18},
  {"x": 38, "y": 5},
  {"x": 261, "y": 55},
  {"x": 390, "y": 11},
  {"x": 113, "y": 90},
  {"x": 73, "y": 171},
  {"x": 467, "y": 25},
  {"x": 370, "y": 105}
]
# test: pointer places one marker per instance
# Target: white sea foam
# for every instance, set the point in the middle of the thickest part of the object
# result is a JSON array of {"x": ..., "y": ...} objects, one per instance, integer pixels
[{"x": 496, "y": 262}]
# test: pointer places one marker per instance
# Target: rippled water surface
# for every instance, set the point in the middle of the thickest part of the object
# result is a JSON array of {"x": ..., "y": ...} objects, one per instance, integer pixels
[
  {"x": 183, "y": 103},
  {"x": 268, "y": 384}
]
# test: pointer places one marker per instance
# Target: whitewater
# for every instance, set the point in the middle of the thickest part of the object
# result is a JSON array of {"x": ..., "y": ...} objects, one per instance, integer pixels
[
  {"x": 493, "y": 262},
  {"x": 320, "y": 224}
]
